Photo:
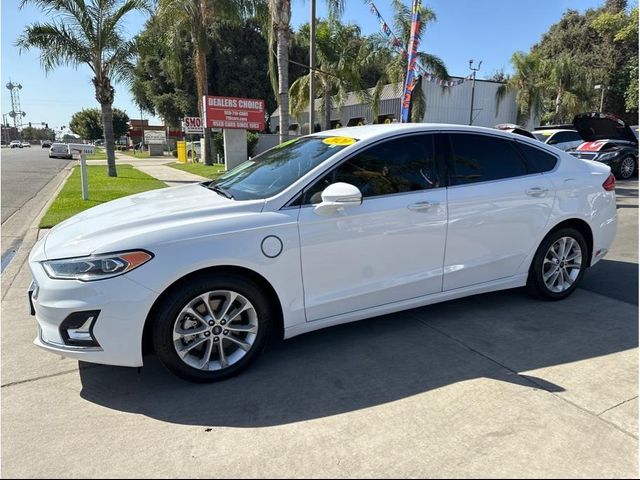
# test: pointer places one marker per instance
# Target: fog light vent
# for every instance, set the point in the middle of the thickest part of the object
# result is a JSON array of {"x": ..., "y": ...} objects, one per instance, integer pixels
[{"x": 77, "y": 329}]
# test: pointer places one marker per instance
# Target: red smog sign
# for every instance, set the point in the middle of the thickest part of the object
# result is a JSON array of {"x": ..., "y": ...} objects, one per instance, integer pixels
[{"x": 232, "y": 112}]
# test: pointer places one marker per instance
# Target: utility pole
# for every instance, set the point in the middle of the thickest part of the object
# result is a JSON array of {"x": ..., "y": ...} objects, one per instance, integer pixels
[
  {"x": 16, "y": 112},
  {"x": 312, "y": 66},
  {"x": 473, "y": 87}
]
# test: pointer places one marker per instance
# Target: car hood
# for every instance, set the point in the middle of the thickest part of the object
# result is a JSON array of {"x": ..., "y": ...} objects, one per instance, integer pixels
[
  {"x": 593, "y": 126},
  {"x": 139, "y": 221}
]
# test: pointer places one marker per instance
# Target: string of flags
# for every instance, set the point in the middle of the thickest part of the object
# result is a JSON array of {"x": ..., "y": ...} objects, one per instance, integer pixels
[{"x": 397, "y": 44}]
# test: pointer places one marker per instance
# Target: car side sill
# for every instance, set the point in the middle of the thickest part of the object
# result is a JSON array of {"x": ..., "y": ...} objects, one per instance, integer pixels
[{"x": 500, "y": 284}]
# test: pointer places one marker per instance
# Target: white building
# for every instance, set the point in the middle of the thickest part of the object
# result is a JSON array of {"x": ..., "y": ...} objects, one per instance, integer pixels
[{"x": 443, "y": 105}]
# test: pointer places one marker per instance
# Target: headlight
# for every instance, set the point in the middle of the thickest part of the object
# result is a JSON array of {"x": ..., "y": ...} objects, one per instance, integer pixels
[
  {"x": 96, "y": 267},
  {"x": 603, "y": 157}
]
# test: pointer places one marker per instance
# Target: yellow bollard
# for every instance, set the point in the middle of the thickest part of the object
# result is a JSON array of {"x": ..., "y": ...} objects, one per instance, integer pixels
[{"x": 181, "y": 147}]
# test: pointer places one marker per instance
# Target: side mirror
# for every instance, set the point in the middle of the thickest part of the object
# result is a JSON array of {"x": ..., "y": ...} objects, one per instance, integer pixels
[{"x": 337, "y": 196}]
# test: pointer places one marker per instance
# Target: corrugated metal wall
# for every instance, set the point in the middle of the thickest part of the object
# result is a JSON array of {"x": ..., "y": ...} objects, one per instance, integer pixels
[
  {"x": 453, "y": 104},
  {"x": 443, "y": 105}
]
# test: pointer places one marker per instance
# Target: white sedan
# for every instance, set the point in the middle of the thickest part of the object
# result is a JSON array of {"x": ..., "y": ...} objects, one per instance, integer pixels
[{"x": 322, "y": 230}]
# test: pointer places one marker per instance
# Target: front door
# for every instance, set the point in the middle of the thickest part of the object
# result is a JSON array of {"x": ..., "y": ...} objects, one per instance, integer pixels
[{"x": 388, "y": 249}]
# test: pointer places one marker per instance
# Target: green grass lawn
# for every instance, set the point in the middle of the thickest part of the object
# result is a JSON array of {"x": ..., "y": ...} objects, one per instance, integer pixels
[
  {"x": 102, "y": 188},
  {"x": 209, "y": 171},
  {"x": 100, "y": 154},
  {"x": 136, "y": 153}
]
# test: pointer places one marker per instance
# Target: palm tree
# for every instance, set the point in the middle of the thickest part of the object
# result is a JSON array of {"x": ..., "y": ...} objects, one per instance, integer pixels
[
  {"x": 342, "y": 54},
  {"x": 570, "y": 84},
  {"x": 396, "y": 63},
  {"x": 529, "y": 84},
  {"x": 279, "y": 32},
  {"x": 87, "y": 32},
  {"x": 195, "y": 15}
]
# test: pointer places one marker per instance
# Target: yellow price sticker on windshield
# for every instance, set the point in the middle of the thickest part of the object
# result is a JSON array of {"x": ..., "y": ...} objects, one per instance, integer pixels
[{"x": 339, "y": 141}]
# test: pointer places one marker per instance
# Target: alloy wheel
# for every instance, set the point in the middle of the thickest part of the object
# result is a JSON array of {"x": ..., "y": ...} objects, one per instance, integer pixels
[
  {"x": 627, "y": 167},
  {"x": 562, "y": 264},
  {"x": 215, "y": 330}
]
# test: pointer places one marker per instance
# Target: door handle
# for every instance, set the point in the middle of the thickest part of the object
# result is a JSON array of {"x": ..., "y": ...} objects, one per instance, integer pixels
[
  {"x": 421, "y": 206},
  {"x": 537, "y": 192}
]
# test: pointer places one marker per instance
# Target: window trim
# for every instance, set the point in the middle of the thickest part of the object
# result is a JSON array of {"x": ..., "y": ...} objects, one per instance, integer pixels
[
  {"x": 451, "y": 151},
  {"x": 440, "y": 166}
]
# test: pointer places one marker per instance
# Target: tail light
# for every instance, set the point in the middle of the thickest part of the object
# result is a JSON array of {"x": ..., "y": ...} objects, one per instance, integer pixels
[{"x": 610, "y": 183}]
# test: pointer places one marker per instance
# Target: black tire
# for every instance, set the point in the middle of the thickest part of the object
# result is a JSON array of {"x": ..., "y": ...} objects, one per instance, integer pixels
[
  {"x": 176, "y": 300},
  {"x": 535, "y": 283},
  {"x": 626, "y": 175}
]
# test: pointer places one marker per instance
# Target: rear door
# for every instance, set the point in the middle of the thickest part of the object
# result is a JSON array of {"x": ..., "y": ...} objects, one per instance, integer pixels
[{"x": 498, "y": 203}]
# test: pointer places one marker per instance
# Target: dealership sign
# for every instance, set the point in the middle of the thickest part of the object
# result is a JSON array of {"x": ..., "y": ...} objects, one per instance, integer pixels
[
  {"x": 192, "y": 125},
  {"x": 234, "y": 113},
  {"x": 157, "y": 137}
]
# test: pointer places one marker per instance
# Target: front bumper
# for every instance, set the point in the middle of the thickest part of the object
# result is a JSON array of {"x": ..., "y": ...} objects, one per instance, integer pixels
[{"x": 123, "y": 306}]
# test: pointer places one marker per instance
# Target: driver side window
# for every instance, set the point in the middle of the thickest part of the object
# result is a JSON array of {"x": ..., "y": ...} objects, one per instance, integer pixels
[{"x": 404, "y": 164}]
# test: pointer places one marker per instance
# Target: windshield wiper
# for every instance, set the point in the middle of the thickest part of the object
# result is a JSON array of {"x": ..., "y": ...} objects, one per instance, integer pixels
[{"x": 221, "y": 191}]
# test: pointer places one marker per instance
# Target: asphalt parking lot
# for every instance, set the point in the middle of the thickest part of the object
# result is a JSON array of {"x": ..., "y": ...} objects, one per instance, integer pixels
[{"x": 496, "y": 385}]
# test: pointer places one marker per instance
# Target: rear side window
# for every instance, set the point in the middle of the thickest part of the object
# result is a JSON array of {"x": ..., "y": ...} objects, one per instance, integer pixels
[
  {"x": 539, "y": 161},
  {"x": 405, "y": 164},
  {"x": 481, "y": 158}
]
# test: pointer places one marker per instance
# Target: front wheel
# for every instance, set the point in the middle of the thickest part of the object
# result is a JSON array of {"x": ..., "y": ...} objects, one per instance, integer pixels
[
  {"x": 212, "y": 328},
  {"x": 558, "y": 265}
]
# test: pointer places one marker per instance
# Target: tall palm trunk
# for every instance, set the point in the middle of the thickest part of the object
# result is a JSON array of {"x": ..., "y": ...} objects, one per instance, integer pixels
[
  {"x": 327, "y": 107},
  {"x": 556, "y": 117},
  {"x": 280, "y": 18},
  {"x": 199, "y": 39},
  {"x": 109, "y": 140},
  {"x": 105, "y": 94}
]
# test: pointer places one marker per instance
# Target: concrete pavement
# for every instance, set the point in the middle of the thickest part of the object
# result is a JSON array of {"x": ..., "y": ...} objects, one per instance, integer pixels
[
  {"x": 156, "y": 167},
  {"x": 496, "y": 385}
]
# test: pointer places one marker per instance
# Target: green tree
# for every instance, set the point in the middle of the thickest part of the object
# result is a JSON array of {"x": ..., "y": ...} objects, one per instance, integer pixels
[
  {"x": 87, "y": 32},
  {"x": 87, "y": 123},
  {"x": 195, "y": 16},
  {"x": 570, "y": 86},
  {"x": 395, "y": 69},
  {"x": 528, "y": 81},
  {"x": 341, "y": 53},
  {"x": 279, "y": 33},
  {"x": 33, "y": 133}
]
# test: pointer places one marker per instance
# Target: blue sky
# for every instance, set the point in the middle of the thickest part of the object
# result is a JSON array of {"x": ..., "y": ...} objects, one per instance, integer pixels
[{"x": 487, "y": 30}]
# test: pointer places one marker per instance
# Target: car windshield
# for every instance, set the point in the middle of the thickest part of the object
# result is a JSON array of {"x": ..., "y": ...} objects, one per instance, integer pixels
[
  {"x": 273, "y": 171},
  {"x": 541, "y": 136}
]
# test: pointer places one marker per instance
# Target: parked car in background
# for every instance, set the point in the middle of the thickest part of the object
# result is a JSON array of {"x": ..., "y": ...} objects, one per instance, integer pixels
[
  {"x": 517, "y": 129},
  {"x": 609, "y": 140},
  {"x": 371, "y": 220},
  {"x": 193, "y": 150},
  {"x": 26, "y": 145},
  {"x": 60, "y": 150},
  {"x": 562, "y": 137},
  {"x": 15, "y": 144},
  {"x": 46, "y": 144}
]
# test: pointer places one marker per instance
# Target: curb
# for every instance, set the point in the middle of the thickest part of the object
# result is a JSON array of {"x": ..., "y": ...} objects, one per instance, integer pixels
[{"x": 31, "y": 234}]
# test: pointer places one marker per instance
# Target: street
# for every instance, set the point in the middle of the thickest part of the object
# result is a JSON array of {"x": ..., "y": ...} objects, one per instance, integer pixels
[
  {"x": 24, "y": 172},
  {"x": 493, "y": 385}
]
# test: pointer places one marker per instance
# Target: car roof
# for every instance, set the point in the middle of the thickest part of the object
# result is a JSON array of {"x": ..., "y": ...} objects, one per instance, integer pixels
[
  {"x": 555, "y": 130},
  {"x": 371, "y": 132}
]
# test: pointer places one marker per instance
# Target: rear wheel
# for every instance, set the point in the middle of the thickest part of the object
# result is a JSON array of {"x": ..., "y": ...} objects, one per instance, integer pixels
[
  {"x": 212, "y": 328},
  {"x": 558, "y": 265}
]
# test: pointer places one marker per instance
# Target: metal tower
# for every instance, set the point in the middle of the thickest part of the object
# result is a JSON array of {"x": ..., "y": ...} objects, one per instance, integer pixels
[{"x": 16, "y": 112}]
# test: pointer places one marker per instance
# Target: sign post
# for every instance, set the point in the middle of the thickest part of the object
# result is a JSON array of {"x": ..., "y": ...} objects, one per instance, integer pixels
[
  {"x": 83, "y": 149},
  {"x": 235, "y": 116}
]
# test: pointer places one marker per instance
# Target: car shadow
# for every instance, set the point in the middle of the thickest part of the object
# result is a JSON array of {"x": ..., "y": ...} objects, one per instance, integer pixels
[
  {"x": 380, "y": 360},
  {"x": 613, "y": 278}
]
